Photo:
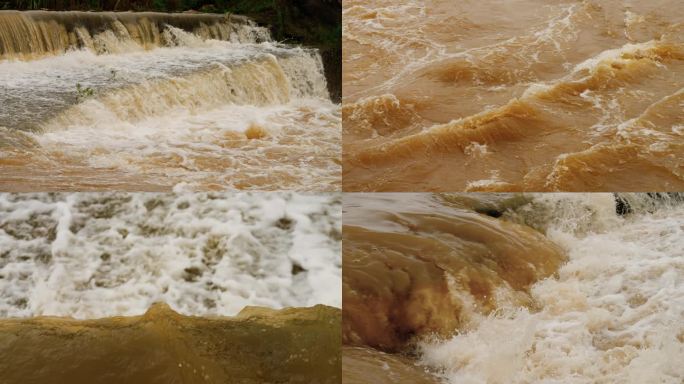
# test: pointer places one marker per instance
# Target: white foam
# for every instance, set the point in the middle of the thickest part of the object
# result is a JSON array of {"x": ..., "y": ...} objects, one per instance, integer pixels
[
  {"x": 95, "y": 255},
  {"x": 186, "y": 140},
  {"x": 612, "y": 316},
  {"x": 168, "y": 113},
  {"x": 476, "y": 150},
  {"x": 613, "y": 56}
]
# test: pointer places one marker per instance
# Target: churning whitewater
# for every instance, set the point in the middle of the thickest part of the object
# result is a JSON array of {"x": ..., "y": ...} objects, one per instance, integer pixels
[
  {"x": 494, "y": 289},
  {"x": 147, "y": 101},
  {"x": 522, "y": 95},
  {"x": 93, "y": 255}
]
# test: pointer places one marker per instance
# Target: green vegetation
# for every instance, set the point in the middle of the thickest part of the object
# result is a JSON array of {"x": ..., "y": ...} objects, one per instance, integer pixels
[{"x": 84, "y": 92}]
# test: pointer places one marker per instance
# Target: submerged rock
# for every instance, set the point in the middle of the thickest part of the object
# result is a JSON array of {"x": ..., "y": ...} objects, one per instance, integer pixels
[{"x": 296, "y": 345}]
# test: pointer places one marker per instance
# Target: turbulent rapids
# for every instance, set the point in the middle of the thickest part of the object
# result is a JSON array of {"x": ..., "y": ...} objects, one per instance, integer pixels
[
  {"x": 503, "y": 288},
  {"x": 148, "y": 101},
  {"x": 405, "y": 262},
  {"x": 524, "y": 95},
  {"x": 139, "y": 287},
  {"x": 97, "y": 255}
]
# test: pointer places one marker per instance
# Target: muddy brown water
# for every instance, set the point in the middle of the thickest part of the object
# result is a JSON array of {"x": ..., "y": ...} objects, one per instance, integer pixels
[
  {"x": 151, "y": 101},
  {"x": 296, "y": 345},
  {"x": 424, "y": 265},
  {"x": 510, "y": 96}
]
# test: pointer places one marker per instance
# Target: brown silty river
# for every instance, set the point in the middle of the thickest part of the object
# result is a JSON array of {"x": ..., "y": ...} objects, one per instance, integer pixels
[
  {"x": 155, "y": 102},
  {"x": 513, "y": 95}
]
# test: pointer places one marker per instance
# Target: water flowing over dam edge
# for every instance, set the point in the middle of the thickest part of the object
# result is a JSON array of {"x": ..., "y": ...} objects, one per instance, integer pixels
[
  {"x": 161, "y": 83},
  {"x": 55, "y": 31},
  {"x": 170, "y": 288},
  {"x": 315, "y": 24},
  {"x": 32, "y": 34}
]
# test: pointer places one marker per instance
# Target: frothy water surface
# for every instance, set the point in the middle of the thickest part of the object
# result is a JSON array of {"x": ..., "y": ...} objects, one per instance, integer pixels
[
  {"x": 513, "y": 95},
  {"x": 613, "y": 314},
  {"x": 97, "y": 255},
  {"x": 190, "y": 103},
  {"x": 609, "y": 312}
]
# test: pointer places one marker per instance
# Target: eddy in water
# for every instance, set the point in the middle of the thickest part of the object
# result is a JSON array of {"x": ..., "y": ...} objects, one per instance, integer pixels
[
  {"x": 507, "y": 289},
  {"x": 152, "y": 101},
  {"x": 524, "y": 95}
]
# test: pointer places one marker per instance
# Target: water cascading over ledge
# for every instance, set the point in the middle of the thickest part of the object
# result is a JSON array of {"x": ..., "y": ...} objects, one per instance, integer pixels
[
  {"x": 33, "y": 34},
  {"x": 153, "y": 78}
]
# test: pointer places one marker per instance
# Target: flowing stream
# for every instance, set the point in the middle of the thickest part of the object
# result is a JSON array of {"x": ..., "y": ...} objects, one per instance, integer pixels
[
  {"x": 153, "y": 102},
  {"x": 511, "y": 288},
  {"x": 519, "y": 95},
  {"x": 93, "y": 255}
]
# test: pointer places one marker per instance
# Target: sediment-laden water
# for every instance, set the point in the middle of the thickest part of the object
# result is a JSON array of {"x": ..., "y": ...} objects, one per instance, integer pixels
[
  {"x": 146, "y": 101},
  {"x": 523, "y": 95},
  {"x": 553, "y": 288},
  {"x": 364, "y": 365},
  {"x": 170, "y": 288},
  {"x": 92, "y": 255},
  {"x": 260, "y": 345}
]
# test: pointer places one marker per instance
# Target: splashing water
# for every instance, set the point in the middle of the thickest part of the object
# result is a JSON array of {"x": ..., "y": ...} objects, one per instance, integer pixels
[
  {"x": 612, "y": 315},
  {"x": 564, "y": 95},
  {"x": 90, "y": 255},
  {"x": 156, "y": 101}
]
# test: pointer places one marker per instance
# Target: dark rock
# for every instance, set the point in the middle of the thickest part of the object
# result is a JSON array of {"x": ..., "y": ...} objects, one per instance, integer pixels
[{"x": 490, "y": 212}]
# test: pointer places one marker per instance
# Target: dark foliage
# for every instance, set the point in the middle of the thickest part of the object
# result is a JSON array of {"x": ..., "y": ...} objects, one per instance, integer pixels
[{"x": 117, "y": 5}]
